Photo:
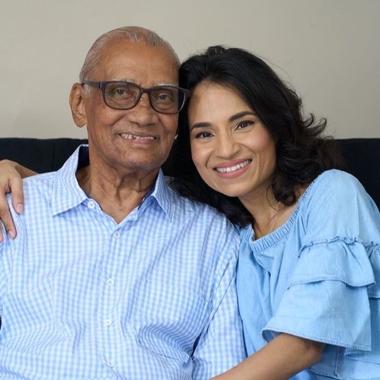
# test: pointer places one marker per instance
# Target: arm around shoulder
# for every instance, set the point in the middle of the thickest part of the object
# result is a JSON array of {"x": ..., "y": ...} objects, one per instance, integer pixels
[{"x": 11, "y": 174}]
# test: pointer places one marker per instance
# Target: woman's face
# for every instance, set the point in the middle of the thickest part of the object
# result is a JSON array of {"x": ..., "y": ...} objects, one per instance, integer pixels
[{"x": 231, "y": 149}]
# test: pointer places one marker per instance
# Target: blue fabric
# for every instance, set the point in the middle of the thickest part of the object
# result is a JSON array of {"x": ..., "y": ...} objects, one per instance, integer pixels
[
  {"x": 82, "y": 297},
  {"x": 318, "y": 277}
]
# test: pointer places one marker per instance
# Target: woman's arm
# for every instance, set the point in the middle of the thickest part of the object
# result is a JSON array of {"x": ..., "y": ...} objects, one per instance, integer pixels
[
  {"x": 280, "y": 359},
  {"x": 11, "y": 174}
]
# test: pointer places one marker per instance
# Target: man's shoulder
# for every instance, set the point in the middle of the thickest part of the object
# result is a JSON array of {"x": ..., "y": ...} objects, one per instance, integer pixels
[
  {"x": 40, "y": 179},
  {"x": 42, "y": 192},
  {"x": 44, "y": 182},
  {"x": 186, "y": 205},
  {"x": 202, "y": 217}
]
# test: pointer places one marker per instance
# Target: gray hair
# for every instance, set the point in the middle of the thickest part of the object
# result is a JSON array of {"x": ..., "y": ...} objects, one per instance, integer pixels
[{"x": 131, "y": 33}]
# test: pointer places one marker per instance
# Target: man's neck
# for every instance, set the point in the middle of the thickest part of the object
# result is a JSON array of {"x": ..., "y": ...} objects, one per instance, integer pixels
[{"x": 117, "y": 193}]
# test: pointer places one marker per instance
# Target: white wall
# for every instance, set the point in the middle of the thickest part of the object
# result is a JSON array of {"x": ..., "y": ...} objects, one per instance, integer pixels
[{"x": 328, "y": 49}]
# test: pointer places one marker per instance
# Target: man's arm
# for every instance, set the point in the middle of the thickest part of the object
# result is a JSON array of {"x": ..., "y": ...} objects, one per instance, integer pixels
[
  {"x": 11, "y": 174},
  {"x": 221, "y": 345},
  {"x": 281, "y": 358}
]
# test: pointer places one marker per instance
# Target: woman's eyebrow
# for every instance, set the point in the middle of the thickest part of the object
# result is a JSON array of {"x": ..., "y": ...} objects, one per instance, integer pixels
[
  {"x": 202, "y": 124},
  {"x": 205, "y": 124},
  {"x": 241, "y": 114}
]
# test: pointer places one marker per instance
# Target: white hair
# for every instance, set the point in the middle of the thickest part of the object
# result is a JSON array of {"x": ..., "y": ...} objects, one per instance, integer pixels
[{"x": 131, "y": 33}]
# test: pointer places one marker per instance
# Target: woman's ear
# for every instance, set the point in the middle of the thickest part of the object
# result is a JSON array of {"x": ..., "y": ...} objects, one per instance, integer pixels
[{"x": 76, "y": 100}]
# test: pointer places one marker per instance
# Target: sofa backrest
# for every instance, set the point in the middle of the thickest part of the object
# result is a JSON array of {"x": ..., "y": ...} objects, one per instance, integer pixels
[{"x": 362, "y": 156}]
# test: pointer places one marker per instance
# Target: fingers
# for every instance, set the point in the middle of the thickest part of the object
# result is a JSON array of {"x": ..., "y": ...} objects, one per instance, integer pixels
[
  {"x": 16, "y": 188},
  {"x": 10, "y": 181},
  {"x": 5, "y": 217}
]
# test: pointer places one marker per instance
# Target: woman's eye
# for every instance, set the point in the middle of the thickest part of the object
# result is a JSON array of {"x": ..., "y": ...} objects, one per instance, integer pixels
[
  {"x": 244, "y": 124},
  {"x": 202, "y": 135}
]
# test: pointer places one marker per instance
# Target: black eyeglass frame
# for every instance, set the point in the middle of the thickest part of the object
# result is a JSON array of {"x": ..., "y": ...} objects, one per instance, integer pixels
[{"x": 101, "y": 85}]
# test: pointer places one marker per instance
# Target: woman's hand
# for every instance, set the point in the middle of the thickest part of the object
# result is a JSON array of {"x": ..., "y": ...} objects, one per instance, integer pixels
[{"x": 11, "y": 174}]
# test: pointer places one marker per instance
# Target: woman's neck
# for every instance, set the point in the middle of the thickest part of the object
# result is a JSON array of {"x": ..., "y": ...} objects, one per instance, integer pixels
[{"x": 268, "y": 213}]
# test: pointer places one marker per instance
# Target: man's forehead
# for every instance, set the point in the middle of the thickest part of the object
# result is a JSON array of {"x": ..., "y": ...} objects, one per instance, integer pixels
[{"x": 124, "y": 60}]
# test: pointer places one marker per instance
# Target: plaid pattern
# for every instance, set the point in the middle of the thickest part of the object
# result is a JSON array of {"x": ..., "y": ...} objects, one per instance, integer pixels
[{"x": 82, "y": 297}]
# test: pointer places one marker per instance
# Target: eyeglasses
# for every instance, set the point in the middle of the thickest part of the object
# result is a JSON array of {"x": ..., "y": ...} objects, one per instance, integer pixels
[{"x": 122, "y": 95}]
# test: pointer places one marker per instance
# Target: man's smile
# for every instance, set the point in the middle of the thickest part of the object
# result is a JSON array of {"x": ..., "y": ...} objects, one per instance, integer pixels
[{"x": 141, "y": 138}]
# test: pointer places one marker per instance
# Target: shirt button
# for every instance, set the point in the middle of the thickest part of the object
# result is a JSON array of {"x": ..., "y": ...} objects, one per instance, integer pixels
[
  {"x": 91, "y": 204},
  {"x": 108, "y": 322},
  {"x": 117, "y": 234},
  {"x": 108, "y": 363},
  {"x": 109, "y": 282}
]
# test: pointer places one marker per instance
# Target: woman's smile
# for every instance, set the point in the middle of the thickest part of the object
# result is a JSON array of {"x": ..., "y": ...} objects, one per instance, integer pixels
[
  {"x": 231, "y": 148},
  {"x": 232, "y": 169}
]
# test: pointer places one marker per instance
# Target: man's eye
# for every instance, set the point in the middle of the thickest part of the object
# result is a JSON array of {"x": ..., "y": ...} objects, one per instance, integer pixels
[
  {"x": 165, "y": 97},
  {"x": 121, "y": 92}
]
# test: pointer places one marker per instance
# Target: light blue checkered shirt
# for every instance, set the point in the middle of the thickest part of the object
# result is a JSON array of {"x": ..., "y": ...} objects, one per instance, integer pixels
[{"x": 83, "y": 297}]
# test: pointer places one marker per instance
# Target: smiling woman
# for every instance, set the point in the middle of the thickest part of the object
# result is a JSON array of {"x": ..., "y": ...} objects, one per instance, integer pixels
[
  {"x": 309, "y": 264},
  {"x": 225, "y": 85},
  {"x": 231, "y": 149}
]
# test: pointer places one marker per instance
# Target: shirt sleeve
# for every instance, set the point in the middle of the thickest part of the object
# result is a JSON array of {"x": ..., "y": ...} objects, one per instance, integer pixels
[
  {"x": 220, "y": 346},
  {"x": 335, "y": 285}
]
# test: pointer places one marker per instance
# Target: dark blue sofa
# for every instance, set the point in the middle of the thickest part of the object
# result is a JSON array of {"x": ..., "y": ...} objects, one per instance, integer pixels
[{"x": 362, "y": 157}]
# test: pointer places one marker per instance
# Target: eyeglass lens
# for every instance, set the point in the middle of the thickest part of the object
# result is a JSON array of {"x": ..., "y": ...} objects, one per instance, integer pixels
[{"x": 125, "y": 95}]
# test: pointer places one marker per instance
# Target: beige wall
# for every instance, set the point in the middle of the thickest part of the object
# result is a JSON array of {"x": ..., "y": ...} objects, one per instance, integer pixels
[{"x": 328, "y": 49}]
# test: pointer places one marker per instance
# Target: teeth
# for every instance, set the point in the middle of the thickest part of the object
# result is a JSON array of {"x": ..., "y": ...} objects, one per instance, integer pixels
[
  {"x": 233, "y": 168},
  {"x": 129, "y": 136}
]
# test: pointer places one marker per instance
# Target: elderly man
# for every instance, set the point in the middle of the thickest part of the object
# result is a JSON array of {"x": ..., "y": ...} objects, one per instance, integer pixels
[{"x": 113, "y": 275}]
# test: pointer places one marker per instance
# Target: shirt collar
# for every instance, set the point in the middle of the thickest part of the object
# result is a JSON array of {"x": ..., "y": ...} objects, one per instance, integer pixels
[
  {"x": 163, "y": 195},
  {"x": 68, "y": 194}
]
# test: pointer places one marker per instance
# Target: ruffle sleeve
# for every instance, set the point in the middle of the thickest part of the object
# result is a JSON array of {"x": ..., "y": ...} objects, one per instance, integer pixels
[{"x": 328, "y": 298}]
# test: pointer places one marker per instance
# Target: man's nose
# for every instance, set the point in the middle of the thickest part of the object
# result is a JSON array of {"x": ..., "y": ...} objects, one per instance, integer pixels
[{"x": 143, "y": 113}]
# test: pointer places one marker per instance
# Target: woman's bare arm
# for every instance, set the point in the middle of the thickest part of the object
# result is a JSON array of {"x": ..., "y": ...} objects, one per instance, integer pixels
[{"x": 280, "y": 359}]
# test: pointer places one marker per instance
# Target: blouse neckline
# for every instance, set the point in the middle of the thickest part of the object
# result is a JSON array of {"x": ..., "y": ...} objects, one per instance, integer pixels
[{"x": 277, "y": 235}]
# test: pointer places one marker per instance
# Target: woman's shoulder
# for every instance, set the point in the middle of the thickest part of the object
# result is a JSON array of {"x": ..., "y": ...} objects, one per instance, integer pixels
[
  {"x": 335, "y": 187},
  {"x": 336, "y": 204},
  {"x": 337, "y": 180}
]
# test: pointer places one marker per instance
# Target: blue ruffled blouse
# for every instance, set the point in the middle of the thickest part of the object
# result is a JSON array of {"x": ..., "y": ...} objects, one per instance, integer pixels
[{"x": 318, "y": 277}]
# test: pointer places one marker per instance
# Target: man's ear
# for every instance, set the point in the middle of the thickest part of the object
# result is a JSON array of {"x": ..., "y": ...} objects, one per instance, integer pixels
[{"x": 76, "y": 100}]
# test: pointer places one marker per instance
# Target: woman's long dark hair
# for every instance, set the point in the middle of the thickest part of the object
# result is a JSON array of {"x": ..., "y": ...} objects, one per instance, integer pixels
[{"x": 302, "y": 153}]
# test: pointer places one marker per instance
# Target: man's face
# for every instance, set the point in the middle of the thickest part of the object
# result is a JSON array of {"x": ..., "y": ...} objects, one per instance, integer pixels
[{"x": 137, "y": 140}]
